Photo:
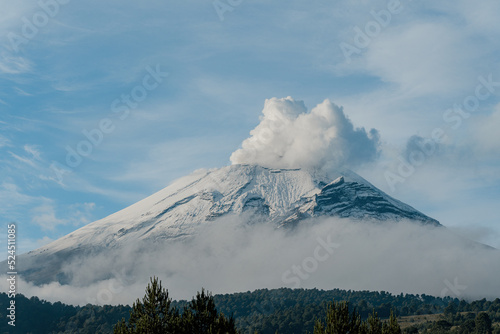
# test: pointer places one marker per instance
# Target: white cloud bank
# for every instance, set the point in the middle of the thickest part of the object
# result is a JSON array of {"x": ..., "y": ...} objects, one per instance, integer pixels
[
  {"x": 290, "y": 137},
  {"x": 229, "y": 255},
  {"x": 486, "y": 134}
]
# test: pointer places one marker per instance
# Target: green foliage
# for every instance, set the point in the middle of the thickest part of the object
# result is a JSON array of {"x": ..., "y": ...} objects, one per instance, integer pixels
[
  {"x": 374, "y": 324},
  {"x": 202, "y": 317},
  {"x": 154, "y": 315},
  {"x": 339, "y": 320},
  {"x": 464, "y": 318},
  {"x": 411, "y": 330},
  {"x": 39, "y": 316},
  {"x": 441, "y": 326},
  {"x": 264, "y": 311},
  {"x": 467, "y": 326},
  {"x": 392, "y": 326},
  {"x": 483, "y": 324}
]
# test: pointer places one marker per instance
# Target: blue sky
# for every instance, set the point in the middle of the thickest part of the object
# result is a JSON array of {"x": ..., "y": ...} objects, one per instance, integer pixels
[{"x": 64, "y": 64}]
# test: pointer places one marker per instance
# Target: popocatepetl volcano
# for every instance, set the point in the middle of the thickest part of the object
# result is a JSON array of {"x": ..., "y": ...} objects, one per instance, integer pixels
[{"x": 281, "y": 197}]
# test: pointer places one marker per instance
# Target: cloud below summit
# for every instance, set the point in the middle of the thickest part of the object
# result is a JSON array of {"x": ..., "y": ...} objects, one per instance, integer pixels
[
  {"x": 233, "y": 254},
  {"x": 290, "y": 137}
]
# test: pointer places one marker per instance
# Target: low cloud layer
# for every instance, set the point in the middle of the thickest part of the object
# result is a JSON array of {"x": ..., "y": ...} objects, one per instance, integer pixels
[
  {"x": 230, "y": 255},
  {"x": 290, "y": 137}
]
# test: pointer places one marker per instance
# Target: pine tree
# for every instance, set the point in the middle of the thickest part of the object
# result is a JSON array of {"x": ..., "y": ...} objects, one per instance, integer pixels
[
  {"x": 201, "y": 317},
  {"x": 483, "y": 324},
  {"x": 392, "y": 326},
  {"x": 374, "y": 324},
  {"x": 152, "y": 315},
  {"x": 340, "y": 321}
]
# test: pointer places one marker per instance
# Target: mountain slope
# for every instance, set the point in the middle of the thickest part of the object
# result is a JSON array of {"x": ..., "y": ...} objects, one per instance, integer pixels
[{"x": 281, "y": 197}]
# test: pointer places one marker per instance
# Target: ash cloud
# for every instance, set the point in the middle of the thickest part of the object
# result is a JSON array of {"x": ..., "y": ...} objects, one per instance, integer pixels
[
  {"x": 231, "y": 255},
  {"x": 290, "y": 137}
]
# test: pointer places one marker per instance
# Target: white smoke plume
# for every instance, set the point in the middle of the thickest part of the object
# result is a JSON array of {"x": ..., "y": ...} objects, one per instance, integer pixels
[{"x": 290, "y": 137}]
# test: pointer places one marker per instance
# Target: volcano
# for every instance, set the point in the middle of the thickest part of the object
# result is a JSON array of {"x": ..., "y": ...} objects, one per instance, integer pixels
[{"x": 281, "y": 197}]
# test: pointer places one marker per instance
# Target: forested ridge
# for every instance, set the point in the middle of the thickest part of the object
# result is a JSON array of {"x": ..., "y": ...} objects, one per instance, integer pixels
[{"x": 269, "y": 311}]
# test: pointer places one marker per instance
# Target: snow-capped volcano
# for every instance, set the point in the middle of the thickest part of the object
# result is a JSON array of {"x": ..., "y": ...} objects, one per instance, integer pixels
[{"x": 282, "y": 197}]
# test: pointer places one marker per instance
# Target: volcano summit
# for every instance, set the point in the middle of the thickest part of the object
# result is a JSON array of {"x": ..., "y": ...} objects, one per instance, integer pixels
[{"x": 281, "y": 197}]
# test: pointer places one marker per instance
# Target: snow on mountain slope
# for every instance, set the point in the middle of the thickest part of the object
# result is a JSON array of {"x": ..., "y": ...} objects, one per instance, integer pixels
[
  {"x": 202, "y": 196},
  {"x": 282, "y": 197}
]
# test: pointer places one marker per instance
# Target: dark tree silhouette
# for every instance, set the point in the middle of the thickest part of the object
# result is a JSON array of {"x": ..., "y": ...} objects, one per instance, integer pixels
[
  {"x": 154, "y": 315},
  {"x": 483, "y": 324},
  {"x": 201, "y": 316},
  {"x": 151, "y": 315}
]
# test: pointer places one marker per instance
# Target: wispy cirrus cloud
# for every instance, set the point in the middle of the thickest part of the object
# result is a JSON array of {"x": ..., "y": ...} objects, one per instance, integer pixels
[
  {"x": 10, "y": 64},
  {"x": 45, "y": 217}
]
